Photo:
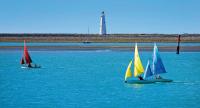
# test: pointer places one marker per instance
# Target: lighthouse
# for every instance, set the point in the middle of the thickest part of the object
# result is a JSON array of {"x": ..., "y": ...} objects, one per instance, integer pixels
[{"x": 102, "y": 24}]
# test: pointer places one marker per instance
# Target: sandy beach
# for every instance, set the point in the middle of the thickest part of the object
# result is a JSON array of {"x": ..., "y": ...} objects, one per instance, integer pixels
[
  {"x": 98, "y": 38},
  {"x": 94, "y": 38}
]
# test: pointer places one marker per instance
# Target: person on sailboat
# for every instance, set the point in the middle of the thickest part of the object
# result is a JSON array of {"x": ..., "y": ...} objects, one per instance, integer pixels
[
  {"x": 140, "y": 78},
  {"x": 29, "y": 65},
  {"x": 158, "y": 77}
]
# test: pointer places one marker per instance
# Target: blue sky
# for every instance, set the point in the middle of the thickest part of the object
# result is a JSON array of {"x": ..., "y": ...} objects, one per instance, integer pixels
[{"x": 122, "y": 16}]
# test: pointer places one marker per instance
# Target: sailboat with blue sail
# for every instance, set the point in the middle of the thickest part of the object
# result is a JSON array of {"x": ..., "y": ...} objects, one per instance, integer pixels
[
  {"x": 158, "y": 66},
  {"x": 138, "y": 70}
]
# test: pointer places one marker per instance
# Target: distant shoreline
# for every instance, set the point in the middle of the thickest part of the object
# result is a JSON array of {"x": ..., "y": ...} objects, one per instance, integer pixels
[
  {"x": 8, "y": 37},
  {"x": 95, "y": 38}
]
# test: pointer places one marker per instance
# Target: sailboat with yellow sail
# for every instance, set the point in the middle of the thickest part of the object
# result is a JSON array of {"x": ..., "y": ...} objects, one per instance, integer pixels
[{"x": 138, "y": 70}]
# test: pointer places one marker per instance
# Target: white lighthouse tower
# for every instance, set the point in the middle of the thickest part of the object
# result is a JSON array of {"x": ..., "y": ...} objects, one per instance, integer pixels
[{"x": 102, "y": 24}]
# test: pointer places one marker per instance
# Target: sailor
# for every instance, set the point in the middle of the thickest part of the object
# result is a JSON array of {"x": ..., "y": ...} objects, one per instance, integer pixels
[
  {"x": 140, "y": 78},
  {"x": 158, "y": 77},
  {"x": 29, "y": 65}
]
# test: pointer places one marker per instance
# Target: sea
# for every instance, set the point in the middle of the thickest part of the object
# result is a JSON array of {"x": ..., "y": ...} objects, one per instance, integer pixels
[{"x": 95, "y": 79}]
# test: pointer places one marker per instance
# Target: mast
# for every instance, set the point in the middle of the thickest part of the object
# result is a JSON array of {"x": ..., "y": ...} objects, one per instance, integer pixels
[
  {"x": 178, "y": 46},
  {"x": 158, "y": 66},
  {"x": 88, "y": 30}
]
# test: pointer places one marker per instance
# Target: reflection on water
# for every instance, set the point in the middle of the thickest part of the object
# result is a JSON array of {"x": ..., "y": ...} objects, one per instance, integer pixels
[{"x": 135, "y": 86}]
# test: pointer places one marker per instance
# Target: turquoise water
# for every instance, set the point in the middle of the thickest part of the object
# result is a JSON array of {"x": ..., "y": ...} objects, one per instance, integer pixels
[
  {"x": 95, "y": 44},
  {"x": 71, "y": 79}
]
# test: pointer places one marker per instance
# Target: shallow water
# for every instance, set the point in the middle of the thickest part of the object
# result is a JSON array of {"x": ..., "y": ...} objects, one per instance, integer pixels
[{"x": 95, "y": 79}]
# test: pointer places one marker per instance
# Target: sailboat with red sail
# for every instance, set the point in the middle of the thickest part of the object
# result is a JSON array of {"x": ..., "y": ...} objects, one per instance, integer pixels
[{"x": 26, "y": 60}]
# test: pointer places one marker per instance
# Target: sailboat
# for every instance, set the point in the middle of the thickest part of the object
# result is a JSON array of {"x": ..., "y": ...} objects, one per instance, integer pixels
[
  {"x": 86, "y": 41},
  {"x": 158, "y": 66},
  {"x": 138, "y": 70},
  {"x": 26, "y": 60}
]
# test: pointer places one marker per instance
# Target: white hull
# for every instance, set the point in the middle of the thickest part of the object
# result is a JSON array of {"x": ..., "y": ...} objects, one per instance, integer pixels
[{"x": 25, "y": 66}]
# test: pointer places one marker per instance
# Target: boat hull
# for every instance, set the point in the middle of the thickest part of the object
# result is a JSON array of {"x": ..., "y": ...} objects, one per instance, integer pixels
[
  {"x": 162, "y": 80},
  {"x": 139, "y": 82},
  {"x": 24, "y": 66}
]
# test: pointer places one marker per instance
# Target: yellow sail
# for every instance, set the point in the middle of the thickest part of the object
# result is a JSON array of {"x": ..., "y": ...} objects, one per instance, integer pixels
[
  {"x": 128, "y": 71},
  {"x": 138, "y": 68}
]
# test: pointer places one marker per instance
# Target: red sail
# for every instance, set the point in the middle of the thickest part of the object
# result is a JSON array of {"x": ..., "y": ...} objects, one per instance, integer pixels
[
  {"x": 22, "y": 60},
  {"x": 26, "y": 54}
]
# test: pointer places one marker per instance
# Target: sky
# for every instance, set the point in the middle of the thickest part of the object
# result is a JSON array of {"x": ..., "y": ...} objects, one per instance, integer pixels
[{"x": 122, "y": 16}]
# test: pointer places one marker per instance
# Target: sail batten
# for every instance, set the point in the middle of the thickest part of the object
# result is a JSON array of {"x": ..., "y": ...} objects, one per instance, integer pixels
[
  {"x": 138, "y": 67},
  {"x": 158, "y": 66}
]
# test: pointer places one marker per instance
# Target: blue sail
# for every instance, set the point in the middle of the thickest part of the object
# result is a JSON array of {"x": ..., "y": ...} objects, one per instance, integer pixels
[
  {"x": 158, "y": 67},
  {"x": 148, "y": 71}
]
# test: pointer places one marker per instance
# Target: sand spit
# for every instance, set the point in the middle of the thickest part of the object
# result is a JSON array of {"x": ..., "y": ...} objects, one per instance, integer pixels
[{"x": 98, "y": 38}]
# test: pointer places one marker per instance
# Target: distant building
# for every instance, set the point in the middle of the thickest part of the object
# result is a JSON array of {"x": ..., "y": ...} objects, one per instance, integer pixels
[{"x": 102, "y": 24}]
